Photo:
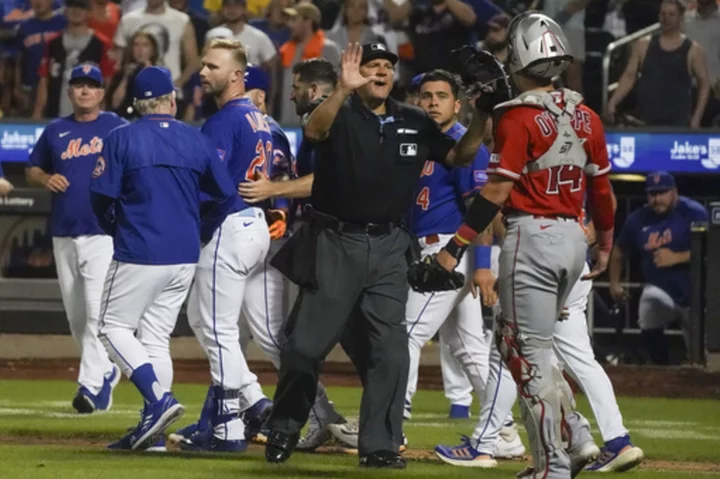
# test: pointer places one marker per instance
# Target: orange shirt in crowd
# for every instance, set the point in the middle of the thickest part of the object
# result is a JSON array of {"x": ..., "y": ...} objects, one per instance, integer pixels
[{"x": 105, "y": 26}]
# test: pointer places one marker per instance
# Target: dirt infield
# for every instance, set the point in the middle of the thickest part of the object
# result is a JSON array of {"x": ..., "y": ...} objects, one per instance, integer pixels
[{"x": 640, "y": 381}]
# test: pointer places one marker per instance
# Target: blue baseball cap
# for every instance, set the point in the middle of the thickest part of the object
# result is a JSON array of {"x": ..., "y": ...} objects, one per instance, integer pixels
[
  {"x": 414, "y": 86},
  {"x": 659, "y": 181},
  {"x": 153, "y": 82},
  {"x": 256, "y": 79},
  {"x": 86, "y": 71}
]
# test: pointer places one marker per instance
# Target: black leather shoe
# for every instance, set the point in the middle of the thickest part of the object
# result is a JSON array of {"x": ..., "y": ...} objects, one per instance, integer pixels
[
  {"x": 280, "y": 446},
  {"x": 383, "y": 459}
]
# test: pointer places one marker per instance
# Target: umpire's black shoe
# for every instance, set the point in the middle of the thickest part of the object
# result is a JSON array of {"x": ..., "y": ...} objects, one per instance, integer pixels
[
  {"x": 280, "y": 446},
  {"x": 383, "y": 459}
]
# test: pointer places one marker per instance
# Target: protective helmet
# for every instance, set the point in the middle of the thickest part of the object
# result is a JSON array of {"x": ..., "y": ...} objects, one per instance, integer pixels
[{"x": 538, "y": 46}]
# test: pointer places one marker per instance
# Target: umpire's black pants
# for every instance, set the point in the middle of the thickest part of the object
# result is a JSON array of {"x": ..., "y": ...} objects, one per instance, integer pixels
[{"x": 355, "y": 273}]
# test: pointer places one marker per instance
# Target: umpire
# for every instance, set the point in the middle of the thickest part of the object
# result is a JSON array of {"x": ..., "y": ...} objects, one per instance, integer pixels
[{"x": 352, "y": 257}]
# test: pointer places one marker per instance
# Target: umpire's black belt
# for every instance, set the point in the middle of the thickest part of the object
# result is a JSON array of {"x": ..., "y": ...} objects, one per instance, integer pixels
[{"x": 338, "y": 226}]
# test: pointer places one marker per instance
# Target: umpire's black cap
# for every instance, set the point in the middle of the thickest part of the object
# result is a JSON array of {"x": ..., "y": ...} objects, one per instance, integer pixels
[{"x": 374, "y": 50}]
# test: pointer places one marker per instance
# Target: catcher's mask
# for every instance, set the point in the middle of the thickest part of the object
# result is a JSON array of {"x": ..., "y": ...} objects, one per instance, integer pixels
[{"x": 537, "y": 46}]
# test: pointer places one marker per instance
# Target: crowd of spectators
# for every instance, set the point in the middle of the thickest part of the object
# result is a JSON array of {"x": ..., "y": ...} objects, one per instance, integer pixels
[{"x": 43, "y": 39}]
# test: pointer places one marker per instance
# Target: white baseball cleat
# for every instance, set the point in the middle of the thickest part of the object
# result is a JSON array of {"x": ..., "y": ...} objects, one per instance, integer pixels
[
  {"x": 581, "y": 456},
  {"x": 465, "y": 455},
  {"x": 509, "y": 445},
  {"x": 345, "y": 433},
  {"x": 316, "y": 435},
  {"x": 618, "y": 455}
]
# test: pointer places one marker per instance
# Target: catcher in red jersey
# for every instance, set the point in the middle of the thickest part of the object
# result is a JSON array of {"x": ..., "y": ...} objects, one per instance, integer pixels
[{"x": 549, "y": 153}]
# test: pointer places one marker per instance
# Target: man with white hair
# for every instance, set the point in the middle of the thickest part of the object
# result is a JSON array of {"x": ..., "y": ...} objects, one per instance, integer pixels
[{"x": 146, "y": 191}]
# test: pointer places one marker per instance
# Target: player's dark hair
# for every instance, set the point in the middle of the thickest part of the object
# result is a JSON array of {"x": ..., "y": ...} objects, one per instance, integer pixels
[
  {"x": 443, "y": 75},
  {"x": 316, "y": 70}
]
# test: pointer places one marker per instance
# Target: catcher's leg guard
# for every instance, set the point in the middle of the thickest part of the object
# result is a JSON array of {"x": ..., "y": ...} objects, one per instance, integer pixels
[{"x": 528, "y": 360}]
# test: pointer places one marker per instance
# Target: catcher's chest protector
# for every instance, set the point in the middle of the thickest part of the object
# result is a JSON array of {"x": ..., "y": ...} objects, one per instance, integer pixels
[{"x": 567, "y": 149}]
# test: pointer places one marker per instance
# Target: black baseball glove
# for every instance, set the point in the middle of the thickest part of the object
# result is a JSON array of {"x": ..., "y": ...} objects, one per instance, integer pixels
[
  {"x": 427, "y": 276},
  {"x": 482, "y": 74}
]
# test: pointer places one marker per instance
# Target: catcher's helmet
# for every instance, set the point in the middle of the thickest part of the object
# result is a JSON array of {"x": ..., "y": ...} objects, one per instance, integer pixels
[{"x": 538, "y": 46}]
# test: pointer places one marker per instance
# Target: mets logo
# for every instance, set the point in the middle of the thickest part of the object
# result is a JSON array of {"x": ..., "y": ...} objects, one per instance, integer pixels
[
  {"x": 76, "y": 148},
  {"x": 86, "y": 69},
  {"x": 656, "y": 178},
  {"x": 99, "y": 167}
]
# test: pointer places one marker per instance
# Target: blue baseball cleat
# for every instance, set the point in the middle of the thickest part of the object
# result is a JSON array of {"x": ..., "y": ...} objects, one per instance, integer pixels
[
  {"x": 86, "y": 402},
  {"x": 254, "y": 419},
  {"x": 206, "y": 414},
  {"x": 465, "y": 455},
  {"x": 618, "y": 455},
  {"x": 205, "y": 441},
  {"x": 124, "y": 444},
  {"x": 154, "y": 420}
]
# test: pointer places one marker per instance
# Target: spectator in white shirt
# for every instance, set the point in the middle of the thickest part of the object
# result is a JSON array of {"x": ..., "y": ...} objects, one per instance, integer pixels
[
  {"x": 354, "y": 26},
  {"x": 260, "y": 49},
  {"x": 174, "y": 32}
]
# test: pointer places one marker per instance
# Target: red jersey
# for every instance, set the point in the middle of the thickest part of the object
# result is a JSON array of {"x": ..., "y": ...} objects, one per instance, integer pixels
[{"x": 523, "y": 134}]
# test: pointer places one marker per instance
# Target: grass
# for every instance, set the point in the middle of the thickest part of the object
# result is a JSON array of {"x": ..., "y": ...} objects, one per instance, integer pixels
[{"x": 41, "y": 436}]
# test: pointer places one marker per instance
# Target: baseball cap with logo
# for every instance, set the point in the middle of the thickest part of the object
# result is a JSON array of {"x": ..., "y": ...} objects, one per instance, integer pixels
[
  {"x": 86, "y": 71},
  {"x": 256, "y": 79},
  {"x": 305, "y": 10},
  {"x": 375, "y": 50},
  {"x": 153, "y": 82},
  {"x": 659, "y": 181}
]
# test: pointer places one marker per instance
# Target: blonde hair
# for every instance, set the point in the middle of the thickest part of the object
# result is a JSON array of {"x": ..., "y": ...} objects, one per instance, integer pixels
[
  {"x": 238, "y": 51},
  {"x": 152, "y": 105}
]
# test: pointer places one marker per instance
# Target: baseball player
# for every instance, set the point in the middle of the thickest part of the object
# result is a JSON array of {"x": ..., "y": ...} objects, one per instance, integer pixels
[
  {"x": 436, "y": 212},
  {"x": 456, "y": 385},
  {"x": 659, "y": 233},
  {"x": 62, "y": 161},
  {"x": 146, "y": 193},
  {"x": 571, "y": 345},
  {"x": 547, "y": 147},
  {"x": 313, "y": 80},
  {"x": 264, "y": 308},
  {"x": 5, "y": 186},
  {"x": 242, "y": 136}
]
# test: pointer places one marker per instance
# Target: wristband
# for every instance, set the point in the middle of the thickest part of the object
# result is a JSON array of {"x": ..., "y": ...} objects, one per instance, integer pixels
[
  {"x": 483, "y": 254},
  {"x": 455, "y": 249}
]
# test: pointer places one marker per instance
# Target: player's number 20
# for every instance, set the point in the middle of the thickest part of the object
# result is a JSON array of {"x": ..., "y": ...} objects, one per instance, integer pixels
[
  {"x": 564, "y": 175},
  {"x": 258, "y": 165}
]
